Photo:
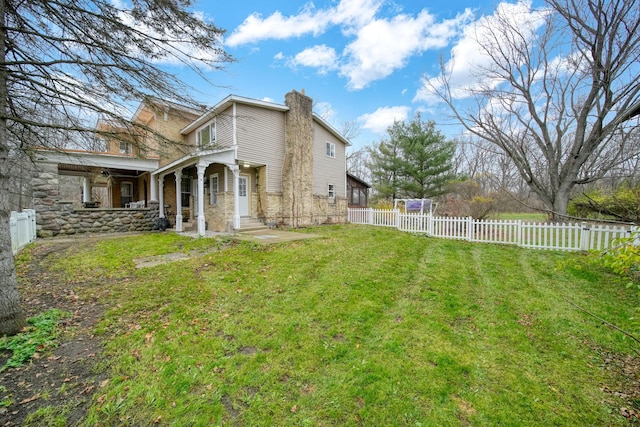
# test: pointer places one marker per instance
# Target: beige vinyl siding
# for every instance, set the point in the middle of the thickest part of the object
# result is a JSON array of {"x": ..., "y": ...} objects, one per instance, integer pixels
[
  {"x": 328, "y": 170},
  {"x": 260, "y": 135},
  {"x": 224, "y": 128}
]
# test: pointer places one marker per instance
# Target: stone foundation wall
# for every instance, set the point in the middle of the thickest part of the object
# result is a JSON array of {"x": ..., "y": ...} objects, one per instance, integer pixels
[
  {"x": 69, "y": 221},
  {"x": 324, "y": 211},
  {"x": 55, "y": 217}
]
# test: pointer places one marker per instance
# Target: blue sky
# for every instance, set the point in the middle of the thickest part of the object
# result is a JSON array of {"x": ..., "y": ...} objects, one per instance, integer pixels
[{"x": 362, "y": 61}]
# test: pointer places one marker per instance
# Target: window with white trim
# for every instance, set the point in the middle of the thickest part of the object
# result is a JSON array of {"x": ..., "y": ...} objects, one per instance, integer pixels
[
  {"x": 331, "y": 150},
  {"x": 213, "y": 189},
  {"x": 185, "y": 191},
  {"x": 206, "y": 135},
  {"x": 332, "y": 191},
  {"x": 125, "y": 147},
  {"x": 126, "y": 193}
]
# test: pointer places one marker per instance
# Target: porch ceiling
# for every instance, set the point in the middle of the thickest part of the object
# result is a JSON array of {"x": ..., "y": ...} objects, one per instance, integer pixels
[{"x": 80, "y": 170}]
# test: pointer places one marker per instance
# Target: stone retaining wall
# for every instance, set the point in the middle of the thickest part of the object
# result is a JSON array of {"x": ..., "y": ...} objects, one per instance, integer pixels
[{"x": 67, "y": 220}]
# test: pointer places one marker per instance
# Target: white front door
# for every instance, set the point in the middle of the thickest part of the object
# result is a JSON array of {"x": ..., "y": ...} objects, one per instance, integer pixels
[{"x": 243, "y": 194}]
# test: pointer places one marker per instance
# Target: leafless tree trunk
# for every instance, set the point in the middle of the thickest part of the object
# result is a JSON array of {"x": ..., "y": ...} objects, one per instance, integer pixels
[
  {"x": 11, "y": 316},
  {"x": 559, "y": 95},
  {"x": 66, "y": 64}
]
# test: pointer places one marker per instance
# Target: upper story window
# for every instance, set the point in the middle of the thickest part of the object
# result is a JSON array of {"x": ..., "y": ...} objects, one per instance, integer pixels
[
  {"x": 206, "y": 136},
  {"x": 125, "y": 147},
  {"x": 331, "y": 149}
]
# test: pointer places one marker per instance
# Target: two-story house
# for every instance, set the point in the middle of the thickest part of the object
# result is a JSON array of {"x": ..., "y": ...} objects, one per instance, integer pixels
[{"x": 243, "y": 160}]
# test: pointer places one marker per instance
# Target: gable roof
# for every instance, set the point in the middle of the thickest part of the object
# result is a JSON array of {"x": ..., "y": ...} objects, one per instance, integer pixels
[
  {"x": 331, "y": 129},
  {"x": 227, "y": 102},
  {"x": 355, "y": 178},
  {"x": 231, "y": 99}
]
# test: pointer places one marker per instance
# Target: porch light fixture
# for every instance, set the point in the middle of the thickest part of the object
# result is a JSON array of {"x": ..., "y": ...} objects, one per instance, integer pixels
[{"x": 246, "y": 165}]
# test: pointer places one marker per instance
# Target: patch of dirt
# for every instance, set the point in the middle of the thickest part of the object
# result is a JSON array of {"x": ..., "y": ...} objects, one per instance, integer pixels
[
  {"x": 66, "y": 378},
  {"x": 624, "y": 391}
]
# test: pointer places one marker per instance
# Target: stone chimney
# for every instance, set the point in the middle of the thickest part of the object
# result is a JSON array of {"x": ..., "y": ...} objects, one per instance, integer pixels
[{"x": 297, "y": 171}]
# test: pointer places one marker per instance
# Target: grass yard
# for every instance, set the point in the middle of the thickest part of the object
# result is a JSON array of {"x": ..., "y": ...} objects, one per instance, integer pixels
[
  {"x": 363, "y": 326},
  {"x": 528, "y": 217}
]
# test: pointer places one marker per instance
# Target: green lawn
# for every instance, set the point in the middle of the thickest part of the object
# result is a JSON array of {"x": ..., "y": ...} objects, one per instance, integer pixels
[
  {"x": 528, "y": 217},
  {"x": 363, "y": 326}
]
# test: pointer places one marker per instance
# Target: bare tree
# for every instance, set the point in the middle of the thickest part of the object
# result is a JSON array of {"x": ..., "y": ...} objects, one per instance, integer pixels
[
  {"x": 557, "y": 94},
  {"x": 63, "y": 64}
]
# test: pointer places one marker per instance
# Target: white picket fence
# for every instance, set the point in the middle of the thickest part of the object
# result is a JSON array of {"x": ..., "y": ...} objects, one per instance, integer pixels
[
  {"x": 552, "y": 236},
  {"x": 23, "y": 229}
]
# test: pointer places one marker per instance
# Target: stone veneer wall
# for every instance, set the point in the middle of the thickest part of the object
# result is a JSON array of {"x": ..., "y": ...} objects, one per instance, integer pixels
[
  {"x": 297, "y": 169},
  {"x": 55, "y": 217}
]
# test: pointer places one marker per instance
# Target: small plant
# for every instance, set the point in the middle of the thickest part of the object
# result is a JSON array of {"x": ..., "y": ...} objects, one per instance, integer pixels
[
  {"x": 40, "y": 335},
  {"x": 624, "y": 258},
  {"x": 5, "y": 401}
]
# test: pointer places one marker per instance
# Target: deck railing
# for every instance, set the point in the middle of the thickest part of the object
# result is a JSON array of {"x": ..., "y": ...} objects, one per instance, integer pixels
[{"x": 581, "y": 236}]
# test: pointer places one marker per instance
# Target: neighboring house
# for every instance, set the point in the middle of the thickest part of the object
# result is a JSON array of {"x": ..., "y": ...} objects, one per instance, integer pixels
[
  {"x": 242, "y": 161},
  {"x": 357, "y": 192}
]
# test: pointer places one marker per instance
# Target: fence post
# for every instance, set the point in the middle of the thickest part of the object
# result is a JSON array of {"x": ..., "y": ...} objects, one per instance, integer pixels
[
  {"x": 430, "y": 225},
  {"x": 13, "y": 231},
  {"x": 634, "y": 231},
  {"x": 32, "y": 223},
  {"x": 370, "y": 216},
  {"x": 520, "y": 231},
  {"x": 584, "y": 236},
  {"x": 469, "y": 228}
]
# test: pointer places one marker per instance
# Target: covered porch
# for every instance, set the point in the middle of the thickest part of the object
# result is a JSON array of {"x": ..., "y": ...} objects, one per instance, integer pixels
[
  {"x": 123, "y": 181},
  {"x": 208, "y": 190}
]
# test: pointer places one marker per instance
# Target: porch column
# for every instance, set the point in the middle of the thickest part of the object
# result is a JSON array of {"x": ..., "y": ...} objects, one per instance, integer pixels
[
  {"x": 236, "y": 195},
  {"x": 178, "y": 200},
  {"x": 154, "y": 189},
  {"x": 161, "y": 196},
  {"x": 201, "y": 223},
  {"x": 86, "y": 190}
]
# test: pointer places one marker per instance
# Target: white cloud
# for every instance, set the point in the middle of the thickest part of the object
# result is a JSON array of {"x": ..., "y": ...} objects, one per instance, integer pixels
[
  {"x": 383, "y": 46},
  {"x": 255, "y": 28},
  {"x": 380, "y": 45},
  {"x": 322, "y": 57},
  {"x": 383, "y": 117},
  {"x": 469, "y": 53}
]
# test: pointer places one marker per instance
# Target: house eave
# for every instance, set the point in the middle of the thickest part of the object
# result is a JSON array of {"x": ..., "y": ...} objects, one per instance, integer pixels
[
  {"x": 331, "y": 129},
  {"x": 99, "y": 160},
  {"x": 226, "y": 155},
  {"x": 227, "y": 102}
]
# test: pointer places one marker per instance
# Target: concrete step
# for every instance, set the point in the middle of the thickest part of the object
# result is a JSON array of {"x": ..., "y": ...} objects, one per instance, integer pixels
[{"x": 251, "y": 224}]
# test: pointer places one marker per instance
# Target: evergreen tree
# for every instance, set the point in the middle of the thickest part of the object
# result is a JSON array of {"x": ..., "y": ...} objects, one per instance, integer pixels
[
  {"x": 416, "y": 161},
  {"x": 384, "y": 164}
]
